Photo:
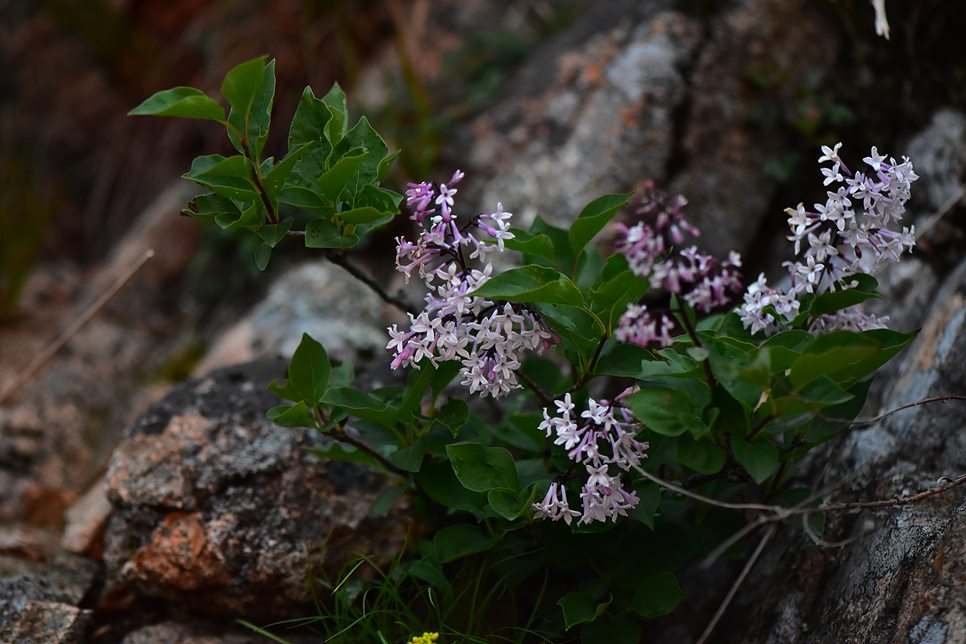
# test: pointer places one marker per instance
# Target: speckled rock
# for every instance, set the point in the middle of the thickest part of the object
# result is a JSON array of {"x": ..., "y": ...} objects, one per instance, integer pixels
[
  {"x": 39, "y": 601},
  {"x": 219, "y": 511},
  {"x": 639, "y": 90}
]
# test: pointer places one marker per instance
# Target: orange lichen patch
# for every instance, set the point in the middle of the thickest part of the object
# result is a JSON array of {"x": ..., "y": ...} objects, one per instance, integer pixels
[
  {"x": 630, "y": 114},
  {"x": 592, "y": 73},
  {"x": 178, "y": 555}
]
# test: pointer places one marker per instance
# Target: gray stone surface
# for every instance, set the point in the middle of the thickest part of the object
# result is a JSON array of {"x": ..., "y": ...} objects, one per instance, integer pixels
[
  {"x": 217, "y": 510},
  {"x": 317, "y": 298},
  {"x": 646, "y": 90},
  {"x": 939, "y": 156}
]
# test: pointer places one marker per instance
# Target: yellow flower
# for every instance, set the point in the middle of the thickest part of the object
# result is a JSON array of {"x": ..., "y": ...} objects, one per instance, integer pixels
[{"x": 425, "y": 638}]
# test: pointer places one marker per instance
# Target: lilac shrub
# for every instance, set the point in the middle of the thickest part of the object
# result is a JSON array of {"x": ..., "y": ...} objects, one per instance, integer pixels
[
  {"x": 704, "y": 398},
  {"x": 841, "y": 240}
]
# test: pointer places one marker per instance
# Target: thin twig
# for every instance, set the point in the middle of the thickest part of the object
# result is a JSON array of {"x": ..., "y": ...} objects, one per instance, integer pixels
[
  {"x": 44, "y": 356},
  {"x": 939, "y": 214},
  {"x": 546, "y": 398},
  {"x": 700, "y": 497},
  {"x": 865, "y": 422},
  {"x": 734, "y": 587},
  {"x": 339, "y": 259}
]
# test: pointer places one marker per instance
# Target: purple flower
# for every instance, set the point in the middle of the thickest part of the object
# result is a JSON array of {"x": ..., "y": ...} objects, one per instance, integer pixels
[
  {"x": 843, "y": 240},
  {"x": 605, "y": 445},
  {"x": 487, "y": 337}
]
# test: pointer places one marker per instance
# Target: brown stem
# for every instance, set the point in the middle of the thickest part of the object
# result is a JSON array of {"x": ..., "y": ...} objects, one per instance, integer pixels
[
  {"x": 546, "y": 398},
  {"x": 342, "y": 437},
  {"x": 339, "y": 259}
]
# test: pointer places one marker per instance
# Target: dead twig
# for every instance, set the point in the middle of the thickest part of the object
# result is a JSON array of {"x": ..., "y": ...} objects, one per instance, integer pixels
[
  {"x": 44, "y": 356},
  {"x": 735, "y": 586}
]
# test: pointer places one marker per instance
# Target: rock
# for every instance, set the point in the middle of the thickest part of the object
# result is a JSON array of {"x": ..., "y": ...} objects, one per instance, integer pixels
[
  {"x": 218, "y": 510},
  {"x": 939, "y": 156},
  {"x": 57, "y": 429},
  {"x": 642, "y": 90},
  {"x": 317, "y": 298},
  {"x": 85, "y": 520},
  {"x": 39, "y": 600},
  {"x": 178, "y": 633}
]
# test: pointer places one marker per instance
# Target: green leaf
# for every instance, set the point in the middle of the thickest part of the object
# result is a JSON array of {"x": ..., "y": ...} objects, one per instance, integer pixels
[
  {"x": 759, "y": 457},
  {"x": 209, "y": 206},
  {"x": 309, "y": 371},
  {"x": 416, "y": 384},
  {"x": 564, "y": 257},
  {"x": 702, "y": 456},
  {"x": 837, "y": 300},
  {"x": 666, "y": 411},
  {"x": 453, "y": 415},
  {"x": 229, "y": 177},
  {"x": 308, "y": 127},
  {"x": 656, "y": 595},
  {"x": 481, "y": 468},
  {"x": 305, "y": 199},
  {"x": 610, "y": 299},
  {"x": 250, "y": 90},
  {"x": 334, "y": 181},
  {"x": 623, "y": 360},
  {"x": 364, "y": 215},
  {"x": 531, "y": 284},
  {"x": 362, "y": 135},
  {"x": 297, "y": 415},
  {"x": 321, "y": 233},
  {"x": 593, "y": 217},
  {"x": 461, "y": 540},
  {"x": 729, "y": 360},
  {"x": 847, "y": 357},
  {"x": 262, "y": 255},
  {"x": 437, "y": 480},
  {"x": 506, "y": 503},
  {"x": 275, "y": 178},
  {"x": 251, "y": 218},
  {"x": 336, "y": 101},
  {"x": 580, "y": 608},
  {"x": 431, "y": 572},
  {"x": 387, "y": 499},
  {"x": 530, "y": 244},
  {"x": 410, "y": 458},
  {"x": 272, "y": 234},
  {"x": 182, "y": 102},
  {"x": 649, "y": 498},
  {"x": 361, "y": 405}
]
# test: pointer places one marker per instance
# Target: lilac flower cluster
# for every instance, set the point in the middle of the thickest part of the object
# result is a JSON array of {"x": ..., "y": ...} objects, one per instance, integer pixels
[
  {"x": 698, "y": 278},
  {"x": 841, "y": 240},
  {"x": 605, "y": 446},
  {"x": 487, "y": 337}
]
